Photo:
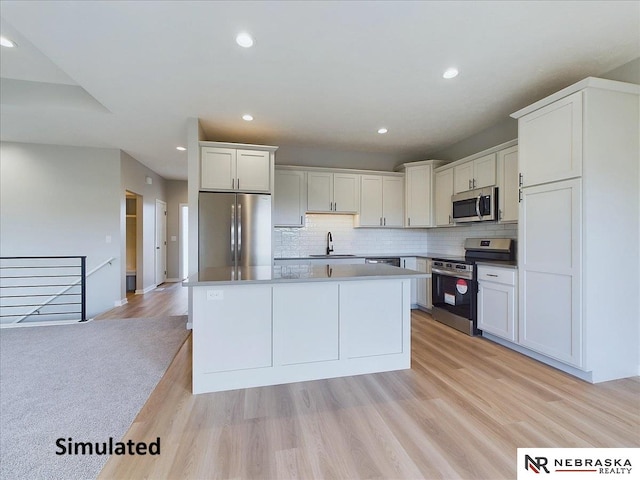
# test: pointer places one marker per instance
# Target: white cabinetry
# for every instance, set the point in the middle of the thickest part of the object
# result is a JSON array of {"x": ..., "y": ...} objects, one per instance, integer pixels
[
  {"x": 234, "y": 169},
  {"x": 444, "y": 191},
  {"x": 381, "y": 201},
  {"x": 411, "y": 264},
  {"x": 579, "y": 222},
  {"x": 419, "y": 193},
  {"x": 497, "y": 301},
  {"x": 289, "y": 198},
  {"x": 332, "y": 192},
  {"x": 423, "y": 297},
  {"x": 477, "y": 173},
  {"x": 507, "y": 167}
]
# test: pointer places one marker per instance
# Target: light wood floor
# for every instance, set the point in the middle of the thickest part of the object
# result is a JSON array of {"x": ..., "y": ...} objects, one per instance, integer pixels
[
  {"x": 168, "y": 299},
  {"x": 460, "y": 412}
]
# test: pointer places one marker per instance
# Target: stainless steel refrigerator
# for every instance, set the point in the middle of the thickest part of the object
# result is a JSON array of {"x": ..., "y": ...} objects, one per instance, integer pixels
[{"x": 234, "y": 229}]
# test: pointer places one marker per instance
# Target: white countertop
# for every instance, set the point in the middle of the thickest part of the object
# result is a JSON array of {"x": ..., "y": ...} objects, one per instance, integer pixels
[{"x": 299, "y": 274}]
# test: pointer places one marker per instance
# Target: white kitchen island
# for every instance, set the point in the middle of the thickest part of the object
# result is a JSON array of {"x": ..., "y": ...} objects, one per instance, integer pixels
[{"x": 255, "y": 326}]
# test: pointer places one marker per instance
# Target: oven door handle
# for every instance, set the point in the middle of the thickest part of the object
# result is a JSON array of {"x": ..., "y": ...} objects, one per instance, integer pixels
[{"x": 447, "y": 273}]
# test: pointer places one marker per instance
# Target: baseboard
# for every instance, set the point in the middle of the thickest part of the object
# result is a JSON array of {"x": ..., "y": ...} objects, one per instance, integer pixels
[
  {"x": 172, "y": 280},
  {"x": 146, "y": 290},
  {"x": 119, "y": 303}
]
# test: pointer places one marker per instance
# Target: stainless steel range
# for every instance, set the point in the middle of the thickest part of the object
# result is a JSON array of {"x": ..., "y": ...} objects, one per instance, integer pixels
[{"x": 455, "y": 283}]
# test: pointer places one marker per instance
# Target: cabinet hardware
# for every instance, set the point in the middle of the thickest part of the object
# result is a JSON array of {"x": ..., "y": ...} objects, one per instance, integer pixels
[
  {"x": 491, "y": 275},
  {"x": 450, "y": 220},
  {"x": 519, "y": 195},
  {"x": 409, "y": 220},
  {"x": 385, "y": 221},
  {"x": 380, "y": 221},
  {"x": 469, "y": 184},
  {"x": 301, "y": 220},
  {"x": 238, "y": 183},
  {"x": 335, "y": 206},
  {"x": 520, "y": 180},
  {"x": 233, "y": 183},
  {"x": 499, "y": 214},
  {"x": 331, "y": 206},
  {"x": 474, "y": 183}
]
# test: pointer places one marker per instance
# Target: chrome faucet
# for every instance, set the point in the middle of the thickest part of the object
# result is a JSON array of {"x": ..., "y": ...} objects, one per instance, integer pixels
[{"x": 329, "y": 243}]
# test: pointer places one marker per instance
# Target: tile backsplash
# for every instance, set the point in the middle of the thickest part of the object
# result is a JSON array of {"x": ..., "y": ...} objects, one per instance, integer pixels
[{"x": 312, "y": 238}]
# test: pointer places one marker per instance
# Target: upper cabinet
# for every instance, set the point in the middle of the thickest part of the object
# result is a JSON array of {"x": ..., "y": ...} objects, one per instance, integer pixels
[
  {"x": 236, "y": 169},
  {"x": 381, "y": 201},
  {"x": 332, "y": 192},
  {"x": 419, "y": 193},
  {"x": 289, "y": 198},
  {"x": 552, "y": 135},
  {"x": 507, "y": 167},
  {"x": 443, "y": 193},
  {"x": 478, "y": 173}
]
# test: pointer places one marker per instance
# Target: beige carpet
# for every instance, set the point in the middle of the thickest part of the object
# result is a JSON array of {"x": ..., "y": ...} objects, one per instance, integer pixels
[{"x": 84, "y": 381}]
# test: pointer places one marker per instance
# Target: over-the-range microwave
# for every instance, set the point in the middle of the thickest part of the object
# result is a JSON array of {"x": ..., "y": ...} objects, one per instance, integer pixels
[{"x": 480, "y": 205}]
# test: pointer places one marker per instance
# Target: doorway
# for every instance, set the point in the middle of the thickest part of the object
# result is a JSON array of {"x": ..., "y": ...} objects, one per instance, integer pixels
[
  {"x": 133, "y": 243},
  {"x": 161, "y": 242},
  {"x": 184, "y": 241}
]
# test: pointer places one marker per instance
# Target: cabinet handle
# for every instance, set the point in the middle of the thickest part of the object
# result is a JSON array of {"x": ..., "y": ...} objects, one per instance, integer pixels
[
  {"x": 301, "y": 220},
  {"x": 233, "y": 183},
  {"x": 409, "y": 219},
  {"x": 491, "y": 275},
  {"x": 520, "y": 180},
  {"x": 380, "y": 221},
  {"x": 469, "y": 184},
  {"x": 238, "y": 183},
  {"x": 499, "y": 214},
  {"x": 474, "y": 183},
  {"x": 449, "y": 219},
  {"x": 519, "y": 195},
  {"x": 335, "y": 206},
  {"x": 385, "y": 221}
]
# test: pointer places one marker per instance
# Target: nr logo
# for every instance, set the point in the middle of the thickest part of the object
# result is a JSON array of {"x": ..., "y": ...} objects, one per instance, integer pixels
[{"x": 536, "y": 464}]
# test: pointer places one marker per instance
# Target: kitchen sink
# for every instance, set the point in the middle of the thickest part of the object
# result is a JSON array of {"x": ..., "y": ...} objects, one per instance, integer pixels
[{"x": 332, "y": 256}]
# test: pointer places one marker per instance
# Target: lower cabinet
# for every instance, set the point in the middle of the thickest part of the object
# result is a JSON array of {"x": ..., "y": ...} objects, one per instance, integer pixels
[
  {"x": 411, "y": 264},
  {"x": 497, "y": 301},
  {"x": 423, "y": 285}
]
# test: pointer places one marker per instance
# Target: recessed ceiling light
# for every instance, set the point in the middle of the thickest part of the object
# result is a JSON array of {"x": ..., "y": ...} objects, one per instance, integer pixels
[
  {"x": 450, "y": 73},
  {"x": 247, "y": 118},
  {"x": 182, "y": 149},
  {"x": 244, "y": 40},
  {"x": 5, "y": 42},
  {"x": 382, "y": 130}
]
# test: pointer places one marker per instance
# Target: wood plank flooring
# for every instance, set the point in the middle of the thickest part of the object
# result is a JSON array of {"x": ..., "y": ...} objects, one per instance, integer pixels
[
  {"x": 460, "y": 412},
  {"x": 168, "y": 299}
]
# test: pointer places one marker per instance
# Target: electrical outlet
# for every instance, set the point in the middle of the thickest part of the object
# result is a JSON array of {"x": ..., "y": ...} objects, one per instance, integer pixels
[{"x": 215, "y": 294}]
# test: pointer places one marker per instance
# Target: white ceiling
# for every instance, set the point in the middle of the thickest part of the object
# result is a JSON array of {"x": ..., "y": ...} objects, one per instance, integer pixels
[{"x": 127, "y": 75}]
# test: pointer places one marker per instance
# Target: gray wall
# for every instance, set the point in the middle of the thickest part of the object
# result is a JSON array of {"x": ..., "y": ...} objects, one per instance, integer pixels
[
  {"x": 314, "y": 157},
  {"x": 177, "y": 193},
  {"x": 629, "y": 72},
  {"x": 57, "y": 200},
  {"x": 134, "y": 176}
]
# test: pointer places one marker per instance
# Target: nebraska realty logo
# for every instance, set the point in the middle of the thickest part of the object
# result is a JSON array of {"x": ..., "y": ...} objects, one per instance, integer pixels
[{"x": 582, "y": 463}]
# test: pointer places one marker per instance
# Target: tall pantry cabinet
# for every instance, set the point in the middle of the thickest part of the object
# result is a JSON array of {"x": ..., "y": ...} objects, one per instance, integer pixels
[{"x": 579, "y": 228}]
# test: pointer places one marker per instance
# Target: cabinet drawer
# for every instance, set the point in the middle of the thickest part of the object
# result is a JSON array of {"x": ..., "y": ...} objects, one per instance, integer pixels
[{"x": 506, "y": 276}]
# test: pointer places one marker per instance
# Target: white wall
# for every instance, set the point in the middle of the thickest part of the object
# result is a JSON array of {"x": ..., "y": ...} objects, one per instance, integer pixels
[
  {"x": 177, "y": 193},
  {"x": 323, "y": 157},
  {"x": 134, "y": 176},
  {"x": 57, "y": 200},
  {"x": 450, "y": 240}
]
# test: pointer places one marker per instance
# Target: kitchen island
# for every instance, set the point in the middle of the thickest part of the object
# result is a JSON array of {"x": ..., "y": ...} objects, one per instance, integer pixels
[{"x": 256, "y": 326}]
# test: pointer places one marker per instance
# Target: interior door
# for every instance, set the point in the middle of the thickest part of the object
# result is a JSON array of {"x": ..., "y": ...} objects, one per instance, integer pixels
[{"x": 161, "y": 242}]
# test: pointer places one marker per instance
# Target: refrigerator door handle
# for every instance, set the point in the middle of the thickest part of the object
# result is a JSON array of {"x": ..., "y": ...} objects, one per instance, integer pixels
[
  {"x": 239, "y": 231},
  {"x": 233, "y": 233}
]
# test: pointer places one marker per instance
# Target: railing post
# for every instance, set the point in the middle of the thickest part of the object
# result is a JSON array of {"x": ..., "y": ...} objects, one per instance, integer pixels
[{"x": 83, "y": 288}]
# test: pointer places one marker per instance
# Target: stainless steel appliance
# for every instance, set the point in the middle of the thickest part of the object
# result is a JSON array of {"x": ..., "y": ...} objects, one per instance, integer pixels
[
  {"x": 234, "y": 229},
  {"x": 478, "y": 205},
  {"x": 455, "y": 282},
  {"x": 393, "y": 261}
]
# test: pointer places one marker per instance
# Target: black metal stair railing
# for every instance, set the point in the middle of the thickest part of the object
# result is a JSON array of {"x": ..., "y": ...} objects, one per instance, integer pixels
[{"x": 43, "y": 289}]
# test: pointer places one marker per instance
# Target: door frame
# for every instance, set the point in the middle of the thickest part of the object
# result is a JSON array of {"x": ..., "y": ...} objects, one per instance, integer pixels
[{"x": 160, "y": 244}]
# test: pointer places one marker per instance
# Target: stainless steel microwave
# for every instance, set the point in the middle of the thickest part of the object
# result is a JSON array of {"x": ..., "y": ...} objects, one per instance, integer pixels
[{"x": 479, "y": 205}]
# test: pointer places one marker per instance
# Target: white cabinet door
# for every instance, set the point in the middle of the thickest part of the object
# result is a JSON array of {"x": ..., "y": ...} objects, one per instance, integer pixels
[
  {"x": 319, "y": 191},
  {"x": 231, "y": 333},
  {"x": 508, "y": 185},
  {"x": 218, "y": 168},
  {"x": 289, "y": 198},
  {"x": 253, "y": 171},
  {"x": 549, "y": 262},
  {"x": 345, "y": 193},
  {"x": 306, "y": 323},
  {"x": 497, "y": 301},
  {"x": 484, "y": 171},
  {"x": 463, "y": 177},
  {"x": 371, "y": 201},
  {"x": 550, "y": 142},
  {"x": 418, "y": 184},
  {"x": 444, "y": 190},
  {"x": 412, "y": 264},
  {"x": 392, "y": 201},
  {"x": 421, "y": 283}
]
